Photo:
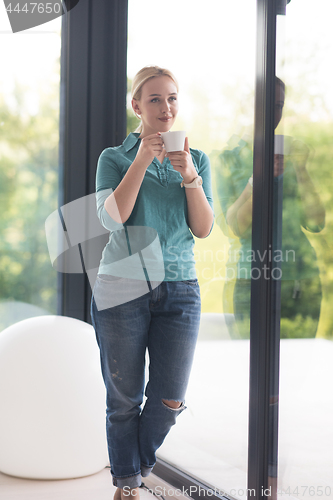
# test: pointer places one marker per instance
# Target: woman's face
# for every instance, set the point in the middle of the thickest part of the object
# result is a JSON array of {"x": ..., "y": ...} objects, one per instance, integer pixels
[
  {"x": 158, "y": 106},
  {"x": 279, "y": 103}
]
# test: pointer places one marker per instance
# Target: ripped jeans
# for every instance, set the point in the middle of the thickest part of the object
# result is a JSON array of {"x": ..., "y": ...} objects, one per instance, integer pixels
[{"x": 166, "y": 322}]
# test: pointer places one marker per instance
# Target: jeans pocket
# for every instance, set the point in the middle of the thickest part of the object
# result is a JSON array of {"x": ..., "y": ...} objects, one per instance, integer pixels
[
  {"x": 110, "y": 291},
  {"x": 193, "y": 283}
]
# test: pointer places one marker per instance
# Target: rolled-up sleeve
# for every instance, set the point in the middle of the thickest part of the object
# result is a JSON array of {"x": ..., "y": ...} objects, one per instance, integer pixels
[{"x": 108, "y": 176}]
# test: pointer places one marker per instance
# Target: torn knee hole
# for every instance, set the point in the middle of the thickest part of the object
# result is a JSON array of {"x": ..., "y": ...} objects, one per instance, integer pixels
[{"x": 172, "y": 404}]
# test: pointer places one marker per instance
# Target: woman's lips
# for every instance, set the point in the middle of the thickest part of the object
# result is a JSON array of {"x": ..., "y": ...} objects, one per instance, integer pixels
[{"x": 165, "y": 118}]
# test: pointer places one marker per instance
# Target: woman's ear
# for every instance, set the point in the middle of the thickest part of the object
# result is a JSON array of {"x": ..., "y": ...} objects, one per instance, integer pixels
[{"x": 135, "y": 106}]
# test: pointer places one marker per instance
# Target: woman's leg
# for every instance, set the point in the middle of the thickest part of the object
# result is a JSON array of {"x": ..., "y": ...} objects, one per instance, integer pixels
[
  {"x": 122, "y": 336},
  {"x": 175, "y": 317}
]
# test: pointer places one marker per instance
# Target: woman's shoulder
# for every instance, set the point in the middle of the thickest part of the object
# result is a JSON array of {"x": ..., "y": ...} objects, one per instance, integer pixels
[
  {"x": 112, "y": 151},
  {"x": 128, "y": 143},
  {"x": 109, "y": 158}
]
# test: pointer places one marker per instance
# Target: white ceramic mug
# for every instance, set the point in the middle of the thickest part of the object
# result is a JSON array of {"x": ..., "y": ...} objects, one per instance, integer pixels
[
  {"x": 282, "y": 144},
  {"x": 174, "y": 141}
]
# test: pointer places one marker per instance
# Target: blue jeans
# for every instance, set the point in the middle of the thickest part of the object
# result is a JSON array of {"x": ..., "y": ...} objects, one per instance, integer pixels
[{"x": 166, "y": 322}]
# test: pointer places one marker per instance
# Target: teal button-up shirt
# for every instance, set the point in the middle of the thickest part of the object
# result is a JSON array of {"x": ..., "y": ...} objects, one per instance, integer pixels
[{"x": 157, "y": 234}]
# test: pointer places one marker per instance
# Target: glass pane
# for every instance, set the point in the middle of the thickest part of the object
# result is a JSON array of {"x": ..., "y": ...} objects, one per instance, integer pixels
[
  {"x": 211, "y": 51},
  {"x": 305, "y": 47},
  {"x": 29, "y": 111}
]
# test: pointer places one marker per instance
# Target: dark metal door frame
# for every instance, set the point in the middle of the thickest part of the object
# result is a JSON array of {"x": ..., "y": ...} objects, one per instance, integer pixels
[
  {"x": 262, "y": 336},
  {"x": 92, "y": 113}
]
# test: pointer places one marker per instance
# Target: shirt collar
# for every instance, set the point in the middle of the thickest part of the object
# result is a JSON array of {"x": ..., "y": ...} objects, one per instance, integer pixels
[{"x": 131, "y": 141}]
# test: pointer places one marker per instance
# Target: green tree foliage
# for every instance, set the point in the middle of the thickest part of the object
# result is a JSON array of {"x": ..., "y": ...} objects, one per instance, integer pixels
[
  {"x": 28, "y": 193},
  {"x": 318, "y": 137},
  {"x": 132, "y": 121}
]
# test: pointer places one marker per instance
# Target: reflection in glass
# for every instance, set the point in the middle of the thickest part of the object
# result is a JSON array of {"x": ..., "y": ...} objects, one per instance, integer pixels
[
  {"x": 306, "y": 351},
  {"x": 293, "y": 258}
]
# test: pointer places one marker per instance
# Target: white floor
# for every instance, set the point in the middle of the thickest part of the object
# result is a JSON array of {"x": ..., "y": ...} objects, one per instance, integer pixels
[
  {"x": 210, "y": 438},
  {"x": 96, "y": 487}
]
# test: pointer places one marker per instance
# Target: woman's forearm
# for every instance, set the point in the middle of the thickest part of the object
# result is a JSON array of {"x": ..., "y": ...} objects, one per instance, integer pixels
[
  {"x": 120, "y": 203},
  {"x": 239, "y": 214},
  {"x": 200, "y": 214}
]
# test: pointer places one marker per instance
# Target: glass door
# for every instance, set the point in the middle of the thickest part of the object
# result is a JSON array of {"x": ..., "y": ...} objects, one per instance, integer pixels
[{"x": 211, "y": 50}]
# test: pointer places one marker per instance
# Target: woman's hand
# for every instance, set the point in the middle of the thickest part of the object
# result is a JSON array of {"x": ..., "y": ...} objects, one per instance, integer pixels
[
  {"x": 278, "y": 165},
  {"x": 299, "y": 153},
  {"x": 150, "y": 146},
  {"x": 182, "y": 162},
  {"x": 120, "y": 203}
]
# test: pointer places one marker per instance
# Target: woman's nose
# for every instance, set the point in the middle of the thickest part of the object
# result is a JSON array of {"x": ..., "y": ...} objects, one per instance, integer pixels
[{"x": 165, "y": 106}]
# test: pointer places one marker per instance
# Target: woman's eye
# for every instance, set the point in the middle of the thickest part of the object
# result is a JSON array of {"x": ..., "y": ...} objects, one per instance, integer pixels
[
  {"x": 154, "y": 100},
  {"x": 173, "y": 98}
]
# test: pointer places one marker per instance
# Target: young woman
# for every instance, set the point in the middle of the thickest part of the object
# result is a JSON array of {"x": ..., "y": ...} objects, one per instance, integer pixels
[{"x": 153, "y": 203}]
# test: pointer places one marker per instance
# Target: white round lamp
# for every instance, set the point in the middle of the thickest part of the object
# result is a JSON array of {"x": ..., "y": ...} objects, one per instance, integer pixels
[{"x": 52, "y": 412}]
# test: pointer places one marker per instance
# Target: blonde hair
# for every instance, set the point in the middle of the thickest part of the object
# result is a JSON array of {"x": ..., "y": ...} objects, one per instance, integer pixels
[{"x": 142, "y": 76}]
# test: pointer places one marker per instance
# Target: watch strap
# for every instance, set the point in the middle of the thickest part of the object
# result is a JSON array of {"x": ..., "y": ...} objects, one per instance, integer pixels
[{"x": 197, "y": 182}]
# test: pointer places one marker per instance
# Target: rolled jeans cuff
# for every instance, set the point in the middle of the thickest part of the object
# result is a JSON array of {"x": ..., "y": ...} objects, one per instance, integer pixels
[
  {"x": 130, "y": 481},
  {"x": 146, "y": 470}
]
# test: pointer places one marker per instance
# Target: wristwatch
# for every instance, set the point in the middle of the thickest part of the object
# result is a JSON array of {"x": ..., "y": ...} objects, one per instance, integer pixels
[{"x": 197, "y": 182}]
